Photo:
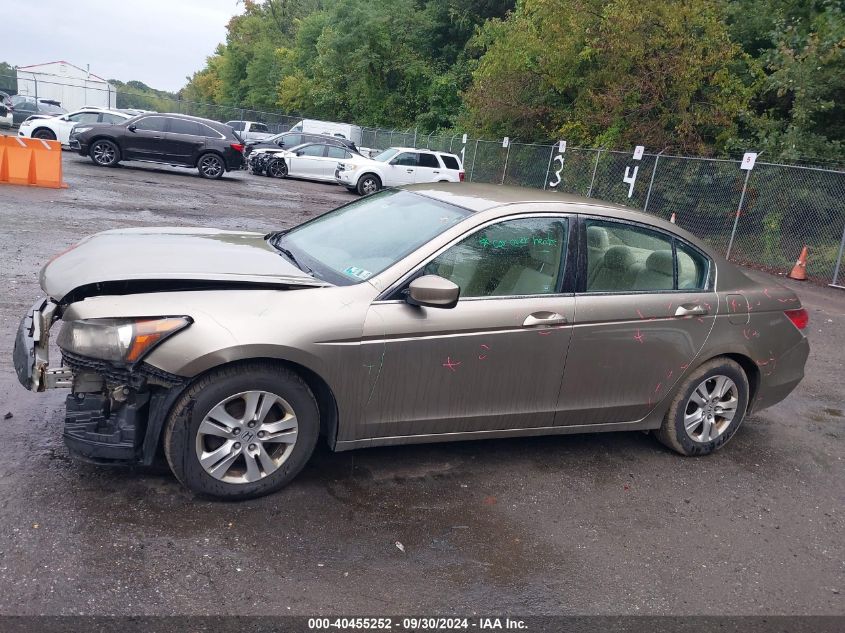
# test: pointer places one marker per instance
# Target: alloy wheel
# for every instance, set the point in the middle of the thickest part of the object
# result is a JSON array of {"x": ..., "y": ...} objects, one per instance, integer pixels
[
  {"x": 277, "y": 168},
  {"x": 246, "y": 437},
  {"x": 211, "y": 166},
  {"x": 711, "y": 408},
  {"x": 103, "y": 153},
  {"x": 369, "y": 186}
]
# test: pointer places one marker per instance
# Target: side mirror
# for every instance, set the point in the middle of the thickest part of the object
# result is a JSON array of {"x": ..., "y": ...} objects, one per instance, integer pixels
[
  {"x": 433, "y": 291},
  {"x": 132, "y": 127},
  {"x": 300, "y": 153}
]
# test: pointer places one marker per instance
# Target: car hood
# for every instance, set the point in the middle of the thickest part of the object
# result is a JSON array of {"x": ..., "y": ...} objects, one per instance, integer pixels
[{"x": 126, "y": 261}]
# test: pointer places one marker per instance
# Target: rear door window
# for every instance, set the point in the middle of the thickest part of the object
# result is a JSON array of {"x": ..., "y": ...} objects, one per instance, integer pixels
[
  {"x": 107, "y": 117},
  {"x": 181, "y": 126},
  {"x": 84, "y": 117},
  {"x": 338, "y": 152},
  {"x": 428, "y": 160}
]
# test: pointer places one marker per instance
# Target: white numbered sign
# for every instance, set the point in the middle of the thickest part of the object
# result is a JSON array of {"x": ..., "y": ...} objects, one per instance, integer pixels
[
  {"x": 506, "y": 141},
  {"x": 464, "y": 139},
  {"x": 630, "y": 179},
  {"x": 559, "y": 161},
  {"x": 561, "y": 146},
  {"x": 638, "y": 152},
  {"x": 748, "y": 160}
]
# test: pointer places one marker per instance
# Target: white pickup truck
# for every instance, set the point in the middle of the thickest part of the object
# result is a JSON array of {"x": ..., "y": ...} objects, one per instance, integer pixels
[{"x": 250, "y": 130}]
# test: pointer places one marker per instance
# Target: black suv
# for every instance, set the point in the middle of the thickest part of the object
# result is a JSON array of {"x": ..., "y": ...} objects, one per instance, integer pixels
[
  {"x": 173, "y": 139},
  {"x": 286, "y": 140}
]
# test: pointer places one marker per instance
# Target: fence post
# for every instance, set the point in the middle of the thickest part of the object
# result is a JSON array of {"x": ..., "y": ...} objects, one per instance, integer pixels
[
  {"x": 651, "y": 183},
  {"x": 593, "y": 179},
  {"x": 736, "y": 218},
  {"x": 549, "y": 168},
  {"x": 835, "y": 283},
  {"x": 507, "y": 156},
  {"x": 474, "y": 156},
  {"x": 415, "y": 137}
]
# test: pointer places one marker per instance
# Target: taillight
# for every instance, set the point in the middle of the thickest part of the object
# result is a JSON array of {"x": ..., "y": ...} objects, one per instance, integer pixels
[
  {"x": 238, "y": 147},
  {"x": 461, "y": 175},
  {"x": 799, "y": 317}
]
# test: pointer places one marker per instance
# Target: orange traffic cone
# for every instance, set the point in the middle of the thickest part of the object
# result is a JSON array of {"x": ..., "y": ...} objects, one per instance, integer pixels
[
  {"x": 799, "y": 271},
  {"x": 672, "y": 219}
]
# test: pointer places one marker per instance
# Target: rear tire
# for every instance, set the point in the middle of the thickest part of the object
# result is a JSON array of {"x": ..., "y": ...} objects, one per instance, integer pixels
[
  {"x": 367, "y": 184},
  {"x": 104, "y": 153},
  {"x": 44, "y": 134},
  {"x": 707, "y": 410},
  {"x": 211, "y": 166},
  {"x": 222, "y": 397}
]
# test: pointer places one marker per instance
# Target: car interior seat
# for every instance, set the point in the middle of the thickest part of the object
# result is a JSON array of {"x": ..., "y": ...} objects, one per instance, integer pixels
[
  {"x": 658, "y": 273},
  {"x": 616, "y": 271}
]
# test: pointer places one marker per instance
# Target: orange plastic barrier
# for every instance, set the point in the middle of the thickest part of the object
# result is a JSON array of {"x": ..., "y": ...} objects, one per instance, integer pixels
[{"x": 31, "y": 161}]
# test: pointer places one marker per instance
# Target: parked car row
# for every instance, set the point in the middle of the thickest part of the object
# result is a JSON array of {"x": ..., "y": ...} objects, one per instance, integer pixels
[{"x": 324, "y": 160}]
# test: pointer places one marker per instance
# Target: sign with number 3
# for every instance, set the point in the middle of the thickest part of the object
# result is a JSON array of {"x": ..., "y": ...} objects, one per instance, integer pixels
[{"x": 559, "y": 161}]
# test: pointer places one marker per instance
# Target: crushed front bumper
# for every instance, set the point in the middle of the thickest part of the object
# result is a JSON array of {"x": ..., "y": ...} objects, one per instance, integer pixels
[{"x": 31, "y": 355}]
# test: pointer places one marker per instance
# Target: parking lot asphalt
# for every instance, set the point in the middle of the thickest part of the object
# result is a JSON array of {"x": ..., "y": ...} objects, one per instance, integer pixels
[{"x": 593, "y": 524}]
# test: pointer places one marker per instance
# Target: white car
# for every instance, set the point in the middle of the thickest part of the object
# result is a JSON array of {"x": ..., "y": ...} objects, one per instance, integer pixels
[
  {"x": 58, "y": 128},
  {"x": 313, "y": 161},
  {"x": 250, "y": 130},
  {"x": 399, "y": 166}
]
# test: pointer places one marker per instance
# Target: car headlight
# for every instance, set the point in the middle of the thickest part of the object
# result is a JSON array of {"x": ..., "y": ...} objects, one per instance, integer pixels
[
  {"x": 343, "y": 166},
  {"x": 117, "y": 340},
  {"x": 77, "y": 130}
]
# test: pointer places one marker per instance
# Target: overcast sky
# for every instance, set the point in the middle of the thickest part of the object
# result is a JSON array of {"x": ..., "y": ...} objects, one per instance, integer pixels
[{"x": 159, "y": 42}]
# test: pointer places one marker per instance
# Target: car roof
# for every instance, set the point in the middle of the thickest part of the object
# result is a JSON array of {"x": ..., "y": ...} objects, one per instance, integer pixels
[
  {"x": 220, "y": 127},
  {"x": 478, "y": 197}
]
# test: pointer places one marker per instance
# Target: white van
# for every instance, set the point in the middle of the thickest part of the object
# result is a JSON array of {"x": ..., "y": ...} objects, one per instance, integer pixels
[{"x": 343, "y": 130}]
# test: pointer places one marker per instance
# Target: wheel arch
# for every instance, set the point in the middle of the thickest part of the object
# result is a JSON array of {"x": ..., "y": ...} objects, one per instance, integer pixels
[
  {"x": 106, "y": 137},
  {"x": 206, "y": 150},
  {"x": 322, "y": 391},
  {"x": 45, "y": 128},
  {"x": 370, "y": 173},
  {"x": 752, "y": 372}
]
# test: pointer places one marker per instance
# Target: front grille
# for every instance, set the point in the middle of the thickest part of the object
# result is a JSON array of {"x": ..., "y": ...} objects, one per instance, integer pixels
[{"x": 134, "y": 375}]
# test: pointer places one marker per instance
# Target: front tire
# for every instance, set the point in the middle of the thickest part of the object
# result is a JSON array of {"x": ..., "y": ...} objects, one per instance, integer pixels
[
  {"x": 277, "y": 168},
  {"x": 367, "y": 184},
  {"x": 242, "y": 431},
  {"x": 211, "y": 166},
  {"x": 44, "y": 134},
  {"x": 104, "y": 153},
  {"x": 708, "y": 409}
]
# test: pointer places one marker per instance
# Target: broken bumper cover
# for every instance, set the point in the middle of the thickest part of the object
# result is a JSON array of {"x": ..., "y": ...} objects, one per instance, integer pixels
[{"x": 31, "y": 355}]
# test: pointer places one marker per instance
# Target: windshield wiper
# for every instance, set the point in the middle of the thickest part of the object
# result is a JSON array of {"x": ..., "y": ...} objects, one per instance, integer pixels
[{"x": 286, "y": 252}]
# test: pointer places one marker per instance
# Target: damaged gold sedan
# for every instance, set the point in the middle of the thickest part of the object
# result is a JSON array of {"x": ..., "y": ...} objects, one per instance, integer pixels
[{"x": 423, "y": 314}]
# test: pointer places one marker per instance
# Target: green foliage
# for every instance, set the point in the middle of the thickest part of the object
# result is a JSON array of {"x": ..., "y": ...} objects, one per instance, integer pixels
[
  {"x": 136, "y": 94},
  {"x": 700, "y": 76}
]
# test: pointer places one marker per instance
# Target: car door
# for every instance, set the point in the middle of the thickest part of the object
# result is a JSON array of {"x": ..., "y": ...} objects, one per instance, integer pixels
[
  {"x": 184, "y": 140},
  {"x": 428, "y": 168},
  {"x": 335, "y": 154},
  {"x": 309, "y": 162},
  {"x": 401, "y": 170},
  {"x": 145, "y": 139},
  {"x": 644, "y": 310},
  {"x": 493, "y": 362}
]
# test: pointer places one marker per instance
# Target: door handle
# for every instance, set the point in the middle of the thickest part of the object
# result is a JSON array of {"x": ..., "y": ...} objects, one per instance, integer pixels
[
  {"x": 543, "y": 318},
  {"x": 436, "y": 172},
  {"x": 690, "y": 310},
  {"x": 410, "y": 171}
]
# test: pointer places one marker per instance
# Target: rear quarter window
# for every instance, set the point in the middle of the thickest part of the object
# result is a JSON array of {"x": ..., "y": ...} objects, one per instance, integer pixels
[{"x": 450, "y": 162}]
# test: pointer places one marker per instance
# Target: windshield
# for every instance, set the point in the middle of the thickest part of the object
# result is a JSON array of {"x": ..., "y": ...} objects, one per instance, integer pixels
[
  {"x": 386, "y": 155},
  {"x": 359, "y": 240}
]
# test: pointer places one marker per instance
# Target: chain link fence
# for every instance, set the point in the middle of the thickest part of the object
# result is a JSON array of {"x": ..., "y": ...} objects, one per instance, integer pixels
[{"x": 761, "y": 218}]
